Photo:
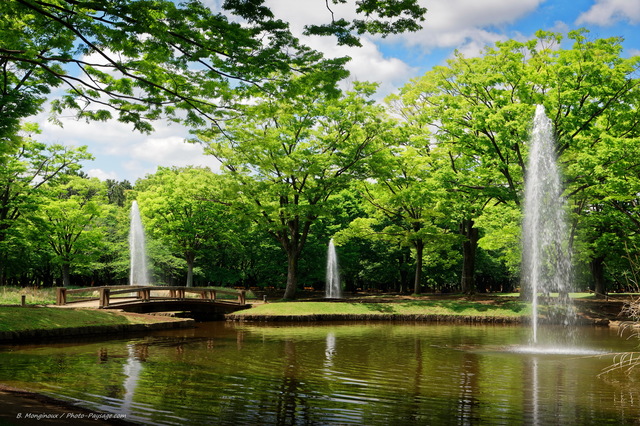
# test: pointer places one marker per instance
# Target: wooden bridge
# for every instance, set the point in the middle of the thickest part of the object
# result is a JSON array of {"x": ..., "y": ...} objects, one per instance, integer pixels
[{"x": 147, "y": 299}]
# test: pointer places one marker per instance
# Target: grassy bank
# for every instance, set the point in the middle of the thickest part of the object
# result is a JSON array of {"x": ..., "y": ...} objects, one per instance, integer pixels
[
  {"x": 420, "y": 309},
  {"x": 17, "y": 319}
]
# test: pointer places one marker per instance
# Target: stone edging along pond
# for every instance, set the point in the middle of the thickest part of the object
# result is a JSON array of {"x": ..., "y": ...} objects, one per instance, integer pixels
[
  {"x": 377, "y": 317},
  {"x": 452, "y": 319}
]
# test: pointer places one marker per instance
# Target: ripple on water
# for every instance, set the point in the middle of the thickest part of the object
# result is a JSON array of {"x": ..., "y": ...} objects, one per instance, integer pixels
[{"x": 554, "y": 350}]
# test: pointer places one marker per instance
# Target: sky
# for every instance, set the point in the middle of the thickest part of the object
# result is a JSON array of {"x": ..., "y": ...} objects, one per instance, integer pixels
[{"x": 464, "y": 25}]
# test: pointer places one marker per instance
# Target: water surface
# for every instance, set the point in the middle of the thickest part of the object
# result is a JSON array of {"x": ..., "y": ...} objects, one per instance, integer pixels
[{"x": 373, "y": 374}]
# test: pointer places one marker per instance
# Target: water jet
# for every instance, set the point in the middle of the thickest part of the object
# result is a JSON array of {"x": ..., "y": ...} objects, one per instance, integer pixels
[
  {"x": 332, "y": 288},
  {"x": 139, "y": 271},
  {"x": 546, "y": 264}
]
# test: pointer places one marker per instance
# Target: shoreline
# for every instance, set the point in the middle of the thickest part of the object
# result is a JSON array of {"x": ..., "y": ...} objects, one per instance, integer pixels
[
  {"x": 589, "y": 312},
  {"x": 159, "y": 323},
  {"x": 426, "y": 318},
  {"x": 477, "y": 319}
]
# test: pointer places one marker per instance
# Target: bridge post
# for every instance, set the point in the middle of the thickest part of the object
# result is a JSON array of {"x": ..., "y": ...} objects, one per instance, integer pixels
[
  {"x": 61, "y": 296},
  {"x": 144, "y": 294},
  {"x": 241, "y": 297},
  {"x": 104, "y": 297}
]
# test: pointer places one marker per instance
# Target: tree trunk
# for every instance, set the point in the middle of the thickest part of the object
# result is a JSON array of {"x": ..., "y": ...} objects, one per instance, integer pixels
[
  {"x": 469, "y": 246},
  {"x": 404, "y": 278},
  {"x": 3, "y": 272},
  {"x": 190, "y": 257},
  {"x": 417, "y": 281},
  {"x": 189, "y": 274},
  {"x": 66, "y": 275},
  {"x": 597, "y": 273},
  {"x": 292, "y": 274}
]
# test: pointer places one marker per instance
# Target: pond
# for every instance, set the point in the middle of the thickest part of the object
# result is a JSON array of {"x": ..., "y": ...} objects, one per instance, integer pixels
[{"x": 335, "y": 373}]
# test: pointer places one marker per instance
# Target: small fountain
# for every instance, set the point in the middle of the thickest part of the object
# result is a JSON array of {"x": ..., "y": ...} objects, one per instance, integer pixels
[
  {"x": 139, "y": 273},
  {"x": 332, "y": 290},
  {"x": 546, "y": 253}
]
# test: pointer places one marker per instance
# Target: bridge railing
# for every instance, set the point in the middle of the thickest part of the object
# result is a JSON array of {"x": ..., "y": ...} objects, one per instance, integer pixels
[{"x": 107, "y": 294}]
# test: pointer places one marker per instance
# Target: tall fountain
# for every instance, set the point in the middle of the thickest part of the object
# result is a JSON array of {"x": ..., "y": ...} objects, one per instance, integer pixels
[
  {"x": 332, "y": 288},
  {"x": 139, "y": 272},
  {"x": 546, "y": 252}
]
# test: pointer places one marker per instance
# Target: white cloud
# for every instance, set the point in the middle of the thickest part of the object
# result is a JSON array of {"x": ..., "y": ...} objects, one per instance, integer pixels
[
  {"x": 461, "y": 23},
  {"x": 101, "y": 174},
  {"x": 306, "y": 12},
  {"x": 609, "y": 12},
  {"x": 172, "y": 151},
  {"x": 122, "y": 153},
  {"x": 367, "y": 62}
]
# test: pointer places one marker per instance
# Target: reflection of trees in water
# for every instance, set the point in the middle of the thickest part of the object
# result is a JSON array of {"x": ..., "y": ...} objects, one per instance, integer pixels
[
  {"x": 623, "y": 374},
  {"x": 290, "y": 395},
  {"x": 626, "y": 395},
  {"x": 415, "y": 398}
]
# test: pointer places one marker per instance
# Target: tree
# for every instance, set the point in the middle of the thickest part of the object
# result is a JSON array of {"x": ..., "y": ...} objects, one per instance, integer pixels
[
  {"x": 116, "y": 191},
  {"x": 291, "y": 153},
  {"x": 177, "y": 203},
  {"x": 481, "y": 110},
  {"x": 145, "y": 59},
  {"x": 25, "y": 170},
  {"x": 408, "y": 199},
  {"x": 67, "y": 220}
]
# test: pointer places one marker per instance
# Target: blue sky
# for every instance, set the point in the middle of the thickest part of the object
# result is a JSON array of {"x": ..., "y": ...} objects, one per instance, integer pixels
[{"x": 465, "y": 25}]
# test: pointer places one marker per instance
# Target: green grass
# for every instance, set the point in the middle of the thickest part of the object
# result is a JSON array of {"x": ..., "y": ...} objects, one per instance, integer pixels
[
  {"x": 43, "y": 318},
  {"x": 411, "y": 307},
  {"x": 33, "y": 296}
]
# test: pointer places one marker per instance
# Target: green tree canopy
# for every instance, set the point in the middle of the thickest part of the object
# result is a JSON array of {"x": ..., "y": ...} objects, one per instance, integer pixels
[
  {"x": 480, "y": 109},
  {"x": 144, "y": 59},
  {"x": 26, "y": 169},
  {"x": 408, "y": 199}
]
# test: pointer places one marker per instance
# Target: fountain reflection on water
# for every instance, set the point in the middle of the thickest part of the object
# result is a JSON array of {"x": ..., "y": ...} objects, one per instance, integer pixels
[
  {"x": 332, "y": 289},
  {"x": 132, "y": 370},
  {"x": 330, "y": 350},
  {"x": 139, "y": 272},
  {"x": 546, "y": 253}
]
